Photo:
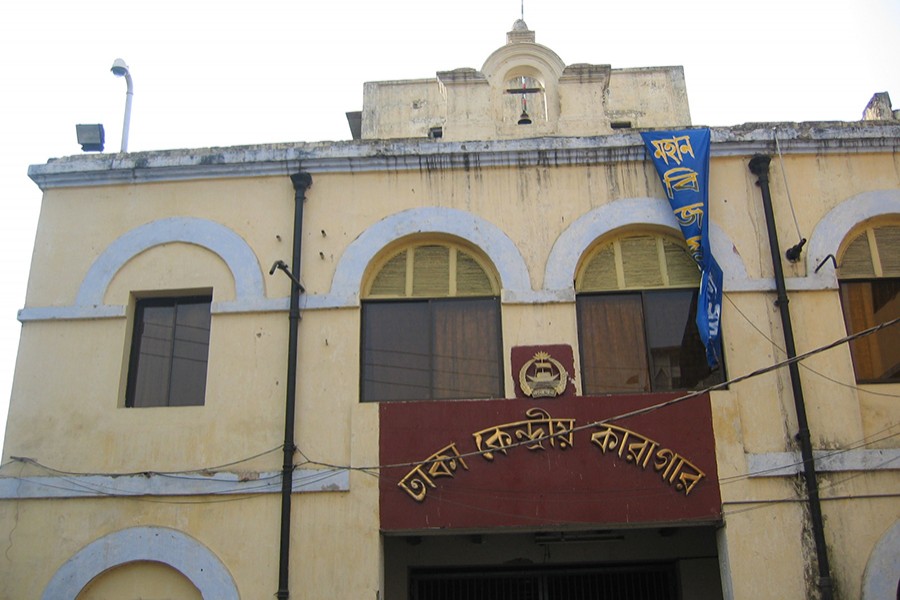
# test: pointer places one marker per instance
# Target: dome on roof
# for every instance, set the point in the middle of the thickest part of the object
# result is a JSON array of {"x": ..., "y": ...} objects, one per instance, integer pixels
[{"x": 520, "y": 25}]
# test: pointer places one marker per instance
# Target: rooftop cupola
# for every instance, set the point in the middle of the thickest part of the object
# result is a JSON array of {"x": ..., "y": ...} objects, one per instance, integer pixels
[
  {"x": 519, "y": 33},
  {"x": 525, "y": 90}
]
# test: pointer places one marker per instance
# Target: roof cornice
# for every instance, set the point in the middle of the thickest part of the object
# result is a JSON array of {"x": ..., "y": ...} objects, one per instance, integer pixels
[{"x": 425, "y": 154}]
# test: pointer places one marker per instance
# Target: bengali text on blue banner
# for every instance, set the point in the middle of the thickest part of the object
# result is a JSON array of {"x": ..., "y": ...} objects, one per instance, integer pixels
[{"x": 681, "y": 159}]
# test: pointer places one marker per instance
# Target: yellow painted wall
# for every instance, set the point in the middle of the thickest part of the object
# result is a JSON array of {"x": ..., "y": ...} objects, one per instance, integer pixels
[{"x": 67, "y": 403}]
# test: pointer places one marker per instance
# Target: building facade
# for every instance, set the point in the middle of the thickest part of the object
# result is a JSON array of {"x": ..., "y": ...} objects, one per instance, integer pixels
[{"x": 499, "y": 387}]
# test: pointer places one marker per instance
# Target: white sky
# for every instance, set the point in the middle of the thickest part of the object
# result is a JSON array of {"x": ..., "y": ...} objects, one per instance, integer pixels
[{"x": 262, "y": 71}]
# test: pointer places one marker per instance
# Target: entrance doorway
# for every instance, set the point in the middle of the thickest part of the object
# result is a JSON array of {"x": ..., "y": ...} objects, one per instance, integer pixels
[{"x": 668, "y": 563}]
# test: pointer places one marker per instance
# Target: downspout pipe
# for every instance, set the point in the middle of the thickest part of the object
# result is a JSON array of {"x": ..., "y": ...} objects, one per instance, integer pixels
[
  {"x": 759, "y": 166},
  {"x": 302, "y": 181}
]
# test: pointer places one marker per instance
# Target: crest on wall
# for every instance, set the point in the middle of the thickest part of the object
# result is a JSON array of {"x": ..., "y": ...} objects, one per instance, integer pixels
[{"x": 543, "y": 377}]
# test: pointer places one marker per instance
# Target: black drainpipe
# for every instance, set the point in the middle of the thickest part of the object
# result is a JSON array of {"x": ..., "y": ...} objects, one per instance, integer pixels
[
  {"x": 302, "y": 181},
  {"x": 759, "y": 166}
]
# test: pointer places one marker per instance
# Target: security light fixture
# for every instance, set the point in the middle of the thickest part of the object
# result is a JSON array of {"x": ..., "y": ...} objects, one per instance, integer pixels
[
  {"x": 91, "y": 137},
  {"x": 120, "y": 69},
  {"x": 354, "y": 119},
  {"x": 793, "y": 253}
]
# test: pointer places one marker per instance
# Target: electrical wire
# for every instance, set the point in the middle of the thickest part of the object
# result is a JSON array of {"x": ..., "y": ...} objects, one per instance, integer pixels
[
  {"x": 806, "y": 367},
  {"x": 375, "y": 471},
  {"x": 640, "y": 411},
  {"x": 31, "y": 461},
  {"x": 448, "y": 497},
  {"x": 833, "y": 484},
  {"x": 760, "y": 504},
  {"x": 822, "y": 457},
  {"x": 609, "y": 494},
  {"x": 784, "y": 177},
  {"x": 653, "y": 407},
  {"x": 651, "y": 491},
  {"x": 81, "y": 488}
]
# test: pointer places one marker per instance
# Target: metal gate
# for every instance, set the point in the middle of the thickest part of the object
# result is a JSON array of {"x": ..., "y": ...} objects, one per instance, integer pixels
[{"x": 638, "y": 582}]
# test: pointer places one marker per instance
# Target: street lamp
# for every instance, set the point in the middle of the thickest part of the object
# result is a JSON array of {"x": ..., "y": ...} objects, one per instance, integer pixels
[{"x": 120, "y": 69}]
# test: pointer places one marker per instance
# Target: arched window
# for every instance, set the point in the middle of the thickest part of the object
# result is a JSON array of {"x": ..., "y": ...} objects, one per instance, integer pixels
[
  {"x": 636, "y": 303},
  {"x": 869, "y": 278},
  {"x": 431, "y": 326}
]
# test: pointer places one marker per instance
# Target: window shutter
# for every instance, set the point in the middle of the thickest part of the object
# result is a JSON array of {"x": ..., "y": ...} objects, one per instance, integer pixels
[
  {"x": 640, "y": 260},
  {"x": 391, "y": 279},
  {"x": 600, "y": 274},
  {"x": 683, "y": 271},
  {"x": 888, "y": 241},
  {"x": 857, "y": 259},
  {"x": 431, "y": 271},
  {"x": 646, "y": 261},
  {"x": 471, "y": 280}
]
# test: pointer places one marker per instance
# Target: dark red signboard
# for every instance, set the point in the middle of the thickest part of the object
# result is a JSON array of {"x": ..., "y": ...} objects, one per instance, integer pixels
[{"x": 546, "y": 462}]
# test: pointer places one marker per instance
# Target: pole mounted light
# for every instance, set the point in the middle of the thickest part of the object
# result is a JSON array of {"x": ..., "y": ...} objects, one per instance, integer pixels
[{"x": 120, "y": 69}]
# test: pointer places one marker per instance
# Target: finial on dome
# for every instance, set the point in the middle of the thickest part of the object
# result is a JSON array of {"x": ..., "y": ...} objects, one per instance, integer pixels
[{"x": 520, "y": 33}]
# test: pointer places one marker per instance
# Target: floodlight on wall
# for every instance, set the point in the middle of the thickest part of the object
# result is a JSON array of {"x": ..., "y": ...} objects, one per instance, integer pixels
[
  {"x": 120, "y": 69},
  {"x": 91, "y": 137}
]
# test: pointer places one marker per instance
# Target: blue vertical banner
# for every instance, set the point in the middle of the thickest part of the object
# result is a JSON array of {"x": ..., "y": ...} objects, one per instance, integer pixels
[{"x": 681, "y": 159}]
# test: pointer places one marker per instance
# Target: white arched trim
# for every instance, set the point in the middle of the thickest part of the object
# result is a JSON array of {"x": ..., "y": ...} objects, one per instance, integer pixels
[
  {"x": 157, "y": 544},
  {"x": 834, "y": 227},
  {"x": 215, "y": 237},
  {"x": 880, "y": 579},
  {"x": 487, "y": 237},
  {"x": 523, "y": 54},
  {"x": 580, "y": 235}
]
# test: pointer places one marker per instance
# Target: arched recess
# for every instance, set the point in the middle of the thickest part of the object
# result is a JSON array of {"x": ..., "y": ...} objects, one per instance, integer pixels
[
  {"x": 157, "y": 544},
  {"x": 487, "y": 237},
  {"x": 880, "y": 579},
  {"x": 513, "y": 59},
  {"x": 217, "y": 238},
  {"x": 140, "y": 579},
  {"x": 580, "y": 235},
  {"x": 528, "y": 59},
  {"x": 838, "y": 223}
]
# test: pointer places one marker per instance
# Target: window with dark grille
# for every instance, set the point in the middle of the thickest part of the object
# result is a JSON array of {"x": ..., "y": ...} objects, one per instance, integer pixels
[
  {"x": 637, "y": 305},
  {"x": 169, "y": 352},
  {"x": 431, "y": 327},
  {"x": 869, "y": 278},
  {"x": 640, "y": 582}
]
